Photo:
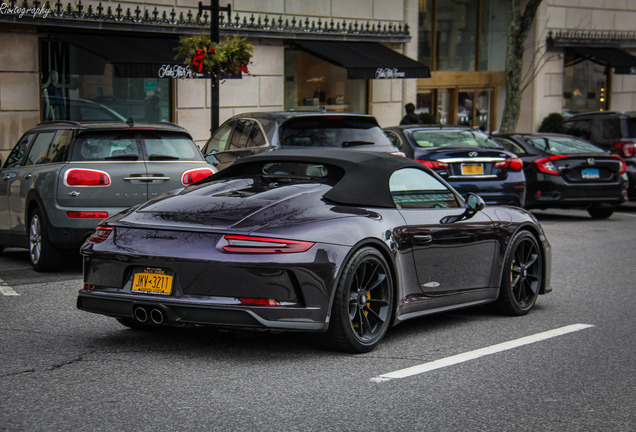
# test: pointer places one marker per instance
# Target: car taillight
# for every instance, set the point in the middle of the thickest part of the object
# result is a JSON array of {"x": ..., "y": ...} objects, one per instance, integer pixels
[
  {"x": 86, "y": 215},
  {"x": 101, "y": 234},
  {"x": 259, "y": 301},
  {"x": 626, "y": 148},
  {"x": 194, "y": 175},
  {"x": 433, "y": 164},
  {"x": 252, "y": 244},
  {"x": 514, "y": 164},
  {"x": 546, "y": 166},
  {"x": 623, "y": 166},
  {"x": 86, "y": 177}
]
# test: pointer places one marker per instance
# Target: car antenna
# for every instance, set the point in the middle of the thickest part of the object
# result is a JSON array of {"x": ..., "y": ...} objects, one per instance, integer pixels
[{"x": 130, "y": 122}]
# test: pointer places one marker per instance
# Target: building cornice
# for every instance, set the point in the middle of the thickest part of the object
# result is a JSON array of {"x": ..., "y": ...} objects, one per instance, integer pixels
[
  {"x": 590, "y": 38},
  {"x": 185, "y": 20}
]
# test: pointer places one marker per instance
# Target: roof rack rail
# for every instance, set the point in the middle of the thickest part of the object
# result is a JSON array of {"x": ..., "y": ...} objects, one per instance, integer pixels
[{"x": 73, "y": 122}]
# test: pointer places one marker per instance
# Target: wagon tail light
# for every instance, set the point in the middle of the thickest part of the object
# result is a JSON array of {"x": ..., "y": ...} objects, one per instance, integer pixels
[
  {"x": 623, "y": 165},
  {"x": 193, "y": 176},
  {"x": 101, "y": 234},
  {"x": 626, "y": 148},
  {"x": 547, "y": 166},
  {"x": 86, "y": 177},
  {"x": 434, "y": 164},
  {"x": 513, "y": 164},
  {"x": 265, "y": 245}
]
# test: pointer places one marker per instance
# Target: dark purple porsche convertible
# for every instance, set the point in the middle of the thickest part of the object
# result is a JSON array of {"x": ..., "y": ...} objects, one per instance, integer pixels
[{"x": 339, "y": 242}]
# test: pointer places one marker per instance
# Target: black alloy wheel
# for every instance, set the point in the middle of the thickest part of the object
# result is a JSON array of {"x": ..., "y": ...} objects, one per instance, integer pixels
[
  {"x": 522, "y": 277},
  {"x": 363, "y": 303}
]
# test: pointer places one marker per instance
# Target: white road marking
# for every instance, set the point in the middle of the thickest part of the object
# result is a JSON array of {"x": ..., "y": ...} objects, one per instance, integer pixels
[
  {"x": 6, "y": 289},
  {"x": 472, "y": 355}
]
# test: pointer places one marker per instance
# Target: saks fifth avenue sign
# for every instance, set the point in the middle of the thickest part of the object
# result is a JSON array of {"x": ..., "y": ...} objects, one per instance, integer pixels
[
  {"x": 177, "y": 71},
  {"x": 389, "y": 73}
]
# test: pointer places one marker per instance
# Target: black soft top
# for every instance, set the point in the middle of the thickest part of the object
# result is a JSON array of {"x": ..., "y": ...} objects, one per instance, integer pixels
[{"x": 366, "y": 174}]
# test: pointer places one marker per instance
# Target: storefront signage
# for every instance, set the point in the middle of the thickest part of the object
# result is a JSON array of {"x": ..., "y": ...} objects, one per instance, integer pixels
[
  {"x": 176, "y": 71},
  {"x": 389, "y": 73}
]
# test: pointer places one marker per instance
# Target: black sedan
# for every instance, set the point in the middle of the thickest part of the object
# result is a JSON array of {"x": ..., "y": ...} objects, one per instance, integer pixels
[
  {"x": 567, "y": 172},
  {"x": 465, "y": 157},
  {"x": 334, "y": 241}
]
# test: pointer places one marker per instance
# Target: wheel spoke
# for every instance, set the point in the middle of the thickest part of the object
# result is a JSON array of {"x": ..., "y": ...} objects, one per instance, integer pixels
[{"x": 372, "y": 312}]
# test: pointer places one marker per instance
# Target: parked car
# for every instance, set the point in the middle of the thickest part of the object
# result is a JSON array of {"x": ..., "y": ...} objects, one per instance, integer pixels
[
  {"x": 252, "y": 133},
  {"x": 465, "y": 157},
  {"x": 563, "y": 171},
  {"x": 614, "y": 131},
  {"x": 62, "y": 178},
  {"x": 346, "y": 243}
]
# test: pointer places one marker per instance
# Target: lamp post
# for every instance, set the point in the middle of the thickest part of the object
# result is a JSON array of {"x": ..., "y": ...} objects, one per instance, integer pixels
[{"x": 214, "y": 9}]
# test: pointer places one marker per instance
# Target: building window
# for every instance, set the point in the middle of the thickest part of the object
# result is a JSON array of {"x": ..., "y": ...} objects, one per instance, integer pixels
[
  {"x": 584, "y": 86},
  {"x": 494, "y": 29},
  {"x": 78, "y": 85},
  {"x": 311, "y": 83}
]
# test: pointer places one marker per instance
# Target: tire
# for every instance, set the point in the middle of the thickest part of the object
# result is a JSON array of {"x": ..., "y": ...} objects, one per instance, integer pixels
[
  {"x": 363, "y": 304},
  {"x": 43, "y": 255},
  {"x": 522, "y": 276},
  {"x": 601, "y": 212}
]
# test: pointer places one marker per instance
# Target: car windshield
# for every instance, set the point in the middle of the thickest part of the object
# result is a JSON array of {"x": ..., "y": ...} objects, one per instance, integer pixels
[
  {"x": 332, "y": 131},
  {"x": 563, "y": 145},
  {"x": 453, "y": 138},
  {"x": 134, "y": 145}
]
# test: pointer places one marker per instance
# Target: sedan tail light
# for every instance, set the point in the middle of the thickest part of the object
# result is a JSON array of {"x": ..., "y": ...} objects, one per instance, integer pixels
[
  {"x": 194, "y": 175},
  {"x": 86, "y": 177},
  {"x": 623, "y": 166},
  {"x": 547, "y": 166},
  {"x": 514, "y": 164},
  {"x": 252, "y": 244},
  {"x": 101, "y": 234},
  {"x": 434, "y": 164},
  {"x": 626, "y": 148}
]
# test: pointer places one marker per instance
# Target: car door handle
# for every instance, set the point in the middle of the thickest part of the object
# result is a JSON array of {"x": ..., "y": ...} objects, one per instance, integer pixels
[{"x": 423, "y": 238}]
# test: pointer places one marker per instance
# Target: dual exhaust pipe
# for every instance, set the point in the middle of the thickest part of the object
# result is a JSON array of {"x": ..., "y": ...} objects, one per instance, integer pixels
[{"x": 144, "y": 314}]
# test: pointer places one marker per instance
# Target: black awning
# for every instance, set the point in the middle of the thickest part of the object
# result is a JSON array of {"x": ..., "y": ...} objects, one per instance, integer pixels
[
  {"x": 131, "y": 56},
  {"x": 621, "y": 61},
  {"x": 366, "y": 60}
]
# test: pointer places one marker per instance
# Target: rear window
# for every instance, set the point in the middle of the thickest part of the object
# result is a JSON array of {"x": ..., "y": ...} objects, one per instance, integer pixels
[
  {"x": 631, "y": 127},
  {"x": 134, "y": 145},
  {"x": 564, "y": 145},
  {"x": 453, "y": 138},
  {"x": 332, "y": 131}
]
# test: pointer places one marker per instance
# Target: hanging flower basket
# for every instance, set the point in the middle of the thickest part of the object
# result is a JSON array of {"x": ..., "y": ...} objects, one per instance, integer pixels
[{"x": 228, "y": 59}]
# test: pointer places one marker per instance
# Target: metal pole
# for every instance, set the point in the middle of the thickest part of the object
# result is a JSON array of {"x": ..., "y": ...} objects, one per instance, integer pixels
[{"x": 214, "y": 37}]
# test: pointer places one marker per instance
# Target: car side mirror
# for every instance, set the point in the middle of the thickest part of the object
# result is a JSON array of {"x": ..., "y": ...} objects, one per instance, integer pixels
[{"x": 474, "y": 204}]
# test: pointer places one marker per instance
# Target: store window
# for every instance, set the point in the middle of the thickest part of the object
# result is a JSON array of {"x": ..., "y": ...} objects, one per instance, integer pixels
[
  {"x": 456, "y": 35},
  {"x": 494, "y": 28},
  {"x": 584, "y": 86},
  {"x": 78, "y": 85},
  {"x": 311, "y": 83}
]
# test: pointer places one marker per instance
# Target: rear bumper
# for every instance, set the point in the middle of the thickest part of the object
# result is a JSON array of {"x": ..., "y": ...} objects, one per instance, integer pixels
[
  {"x": 180, "y": 311},
  {"x": 555, "y": 193}
]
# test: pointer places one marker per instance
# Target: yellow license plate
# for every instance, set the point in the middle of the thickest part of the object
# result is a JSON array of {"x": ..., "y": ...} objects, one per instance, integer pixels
[
  {"x": 472, "y": 169},
  {"x": 154, "y": 281}
]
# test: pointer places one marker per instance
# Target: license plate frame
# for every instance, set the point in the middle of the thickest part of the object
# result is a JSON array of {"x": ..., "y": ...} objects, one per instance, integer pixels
[
  {"x": 152, "y": 280},
  {"x": 470, "y": 169},
  {"x": 590, "y": 174}
]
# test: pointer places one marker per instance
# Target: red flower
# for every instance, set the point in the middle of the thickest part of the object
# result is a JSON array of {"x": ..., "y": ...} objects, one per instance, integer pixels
[
  {"x": 197, "y": 60},
  {"x": 244, "y": 68}
]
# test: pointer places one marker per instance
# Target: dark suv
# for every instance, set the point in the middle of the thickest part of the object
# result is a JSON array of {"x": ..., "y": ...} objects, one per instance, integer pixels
[
  {"x": 62, "y": 178},
  {"x": 252, "y": 133},
  {"x": 612, "y": 130}
]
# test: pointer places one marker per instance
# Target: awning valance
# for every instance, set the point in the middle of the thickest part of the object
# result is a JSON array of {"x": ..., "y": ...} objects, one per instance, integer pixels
[
  {"x": 365, "y": 60},
  {"x": 131, "y": 56},
  {"x": 621, "y": 61}
]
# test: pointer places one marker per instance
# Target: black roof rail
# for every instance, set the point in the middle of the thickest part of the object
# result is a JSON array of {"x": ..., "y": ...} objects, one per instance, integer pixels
[{"x": 73, "y": 122}]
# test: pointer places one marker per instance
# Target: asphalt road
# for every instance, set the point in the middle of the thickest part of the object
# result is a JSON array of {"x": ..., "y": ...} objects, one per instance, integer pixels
[{"x": 62, "y": 369}]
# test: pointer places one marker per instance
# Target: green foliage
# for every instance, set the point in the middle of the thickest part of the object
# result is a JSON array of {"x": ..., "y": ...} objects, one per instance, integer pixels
[
  {"x": 427, "y": 118},
  {"x": 551, "y": 122},
  {"x": 221, "y": 60}
]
